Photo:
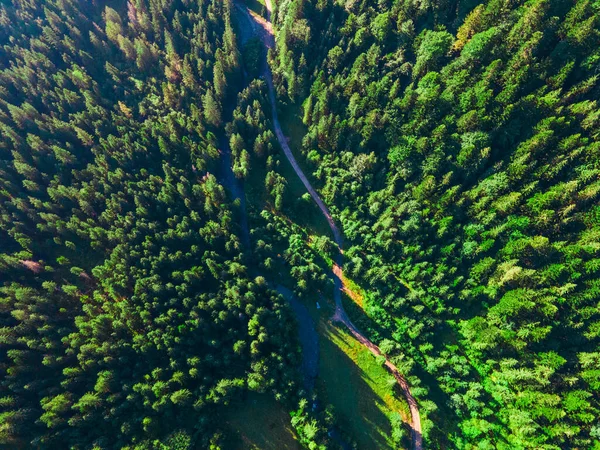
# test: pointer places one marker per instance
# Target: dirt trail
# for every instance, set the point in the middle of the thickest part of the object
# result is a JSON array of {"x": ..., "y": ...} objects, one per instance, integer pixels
[{"x": 264, "y": 28}]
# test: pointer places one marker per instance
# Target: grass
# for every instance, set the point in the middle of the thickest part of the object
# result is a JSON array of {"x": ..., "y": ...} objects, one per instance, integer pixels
[
  {"x": 258, "y": 422},
  {"x": 354, "y": 291},
  {"x": 295, "y": 130},
  {"x": 364, "y": 395},
  {"x": 256, "y": 6},
  {"x": 351, "y": 379},
  {"x": 360, "y": 389},
  {"x": 303, "y": 211},
  {"x": 298, "y": 206}
]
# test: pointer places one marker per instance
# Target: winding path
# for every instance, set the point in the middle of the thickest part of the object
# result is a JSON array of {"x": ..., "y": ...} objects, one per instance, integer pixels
[{"x": 265, "y": 29}]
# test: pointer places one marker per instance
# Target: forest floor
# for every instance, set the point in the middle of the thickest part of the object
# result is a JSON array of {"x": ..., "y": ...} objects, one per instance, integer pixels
[
  {"x": 352, "y": 380},
  {"x": 259, "y": 422},
  {"x": 360, "y": 390},
  {"x": 309, "y": 338},
  {"x": 257, "y": 6}
]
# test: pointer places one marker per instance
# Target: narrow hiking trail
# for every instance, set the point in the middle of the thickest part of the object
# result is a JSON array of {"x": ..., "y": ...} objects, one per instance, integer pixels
[{"x": 264, "y": 28}]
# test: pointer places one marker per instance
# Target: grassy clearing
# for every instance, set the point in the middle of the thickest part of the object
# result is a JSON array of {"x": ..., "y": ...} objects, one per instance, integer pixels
[
  {"x": 304, "y": 211},
  {"x": 260, "y": 423},
  {"x": 361, "y": 391},
  {"x": 295, "y": 130},
  {"x": 256, "y": 6},
  {"x": 355, "y": 292},
  {"x": 297, "y": 204}
]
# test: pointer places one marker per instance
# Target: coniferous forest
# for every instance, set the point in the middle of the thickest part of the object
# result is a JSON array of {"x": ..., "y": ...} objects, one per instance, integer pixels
[
  {"x": 457, "y": 143},
  {"x": 163, "y": 265},
  {"x": 127, "y": 310}
]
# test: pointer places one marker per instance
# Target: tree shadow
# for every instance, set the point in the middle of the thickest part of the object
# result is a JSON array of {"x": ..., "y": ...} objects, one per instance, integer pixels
[
  {"x": 362, "y": 321},
  {"x": 346, "y": 386},
  {"x": 445, "y": 418},
  {"x": 256, "y": 7},
  {"x": 258, "y": 422},
  {"x": 309, "y": 339},
  {"x": 243, "y": 26}
]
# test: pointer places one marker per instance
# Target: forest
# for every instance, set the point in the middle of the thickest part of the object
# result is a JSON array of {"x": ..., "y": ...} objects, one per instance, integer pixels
[
  {"x": 149, "y": 219},
  {"x": 456, "y": 143},
  {"x": 128, "y": 314}
]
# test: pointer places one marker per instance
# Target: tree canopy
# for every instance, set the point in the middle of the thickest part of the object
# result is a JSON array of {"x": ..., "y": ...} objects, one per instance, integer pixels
[{"x": 457, "y": 144}]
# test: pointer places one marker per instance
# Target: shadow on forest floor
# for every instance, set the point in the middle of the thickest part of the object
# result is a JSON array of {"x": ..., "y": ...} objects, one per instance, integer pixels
[
  {"x": 258, "y": 422},
  {"x": 356, "y": 385},
  {"x": 257, "y": 7}
]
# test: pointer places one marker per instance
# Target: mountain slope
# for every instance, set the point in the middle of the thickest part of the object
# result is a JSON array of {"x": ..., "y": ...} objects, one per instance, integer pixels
[{"x": 457, "y": 143}]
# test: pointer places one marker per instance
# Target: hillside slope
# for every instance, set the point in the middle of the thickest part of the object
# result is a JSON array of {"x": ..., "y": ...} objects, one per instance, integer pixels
[{"x": 457, "y": 145}]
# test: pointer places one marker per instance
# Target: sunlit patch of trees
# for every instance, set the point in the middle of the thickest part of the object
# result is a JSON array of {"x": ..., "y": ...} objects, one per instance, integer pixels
[{"x": 457, "y": 143}]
